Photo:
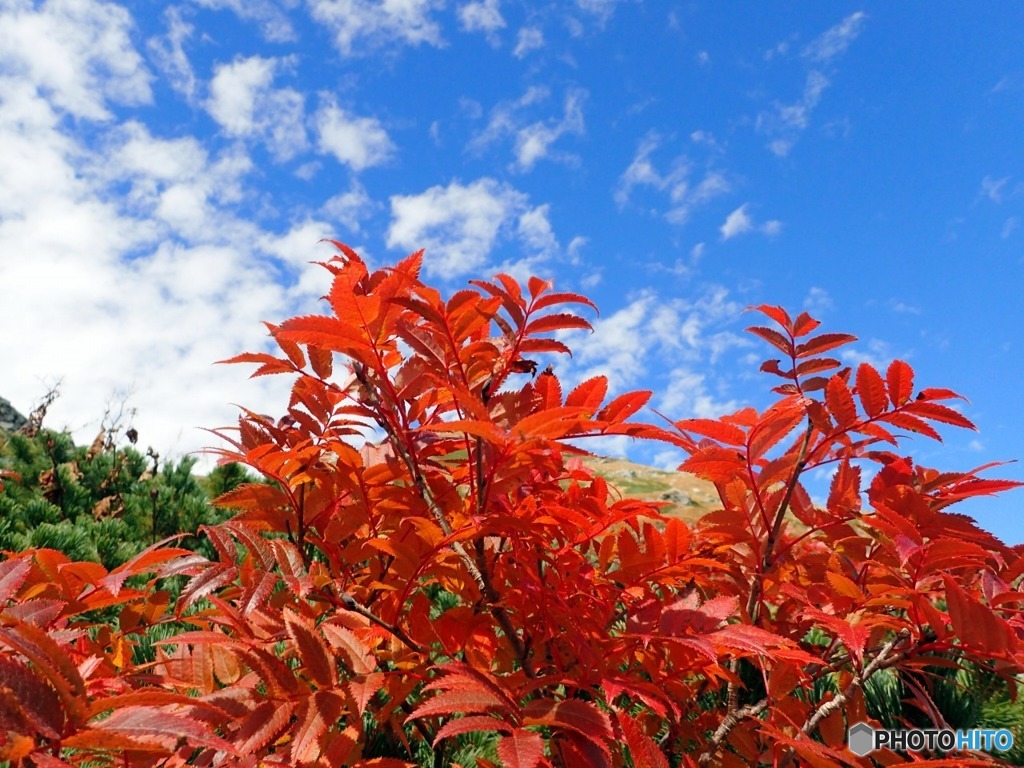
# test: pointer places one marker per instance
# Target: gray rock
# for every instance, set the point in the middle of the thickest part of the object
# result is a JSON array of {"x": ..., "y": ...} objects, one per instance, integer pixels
[{"x": 10, "y": 419}]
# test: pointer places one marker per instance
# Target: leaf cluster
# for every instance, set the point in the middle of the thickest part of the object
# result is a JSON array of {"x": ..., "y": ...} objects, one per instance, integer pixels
[{"x": 432, "y": 576}]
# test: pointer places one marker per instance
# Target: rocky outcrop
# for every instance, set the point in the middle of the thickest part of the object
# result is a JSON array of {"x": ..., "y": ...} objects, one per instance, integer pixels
[{"x": 10, "y": 419}]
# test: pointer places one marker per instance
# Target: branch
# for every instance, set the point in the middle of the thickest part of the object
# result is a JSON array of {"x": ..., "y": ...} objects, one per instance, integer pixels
[
  {"x": 731, "y": 720},
  {"x": 882, "y": 661},
  {"x": 476, "y": 567}
]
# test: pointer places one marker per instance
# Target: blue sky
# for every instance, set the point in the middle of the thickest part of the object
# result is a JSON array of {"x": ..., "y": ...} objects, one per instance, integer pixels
[{"x": 166, "y": 171}]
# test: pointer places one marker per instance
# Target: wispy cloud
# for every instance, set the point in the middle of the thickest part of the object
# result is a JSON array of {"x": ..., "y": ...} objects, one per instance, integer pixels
[
  {"x": 684, "y": 192},
  {"x": 245, "y": 104},
  {"x": 363, "y": 26},
  {"x": 358, "y": 142},
  {"x": 168, "y": 51},
  {"x": 271, "y": 15},
  {"x": 533, "y": 140},
  {"x": 461, "y": 225},
  {"x": 79, "y": 53},
  {"x": 740, "y": 222},
  {"x": 482, "y": 16},
  {"x": 993, "y": 188},
  {"x": 835, "y": 41},
  {"x": 786, "y": 121},
  {"x": 528, "y": 39}
]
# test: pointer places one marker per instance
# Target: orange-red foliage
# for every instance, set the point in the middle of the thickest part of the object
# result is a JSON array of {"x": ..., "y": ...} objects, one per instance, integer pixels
[{"x": 465, "y": 573}]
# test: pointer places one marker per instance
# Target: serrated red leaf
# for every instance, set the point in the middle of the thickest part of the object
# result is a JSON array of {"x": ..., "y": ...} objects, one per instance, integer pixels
[
  {"x": 721, "y": 431},
  {"x": 52, "y": 661},
  {"x": 357, "y": 655},
  {"x": 471, "y": 724},
  {"x": 589, "y": 395},
  {"x": 643, "y": 751},
  {"x": 941, "y": 413},
  {"x": 904, "y": 420},
  {"x": 316, "y": 714},
  {"x": 778, "y": 314},
  {"x": 900, "y": 380},
  {"x": 310, "y": 649},
  {"x": 840, "y": 403},
  {"x": 582, "y": 717},
  {"x": 823, "y": 343},
  {"x": 624, "y": 406},
  {"x": 521, "y": 749},
  {"x": 556, "y": 322},
  {"x": 715, "y": 464},
  {"x": 263, "y": 725},
  {"x": 13, "y": 573},
  {"x": 871, "y": 390},
  {"x": 773, "y": 337}
]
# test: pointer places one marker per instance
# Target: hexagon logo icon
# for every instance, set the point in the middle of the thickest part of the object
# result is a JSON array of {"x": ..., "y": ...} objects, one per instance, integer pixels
[{"x": 861, "y": 739}]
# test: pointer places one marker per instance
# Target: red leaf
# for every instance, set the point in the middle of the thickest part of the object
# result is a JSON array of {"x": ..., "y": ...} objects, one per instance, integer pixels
[
  {"x": 773, "y": 337},
  {"x": 937, "y": 412},
  {"x": 778, "y": 314},
  {"x": 357, "y": 655},
  {"x": 551, "y": 299},
  {"x": 471, "y": 724},
  {"x": 871, "y": 390},
  {"x": 840, "y": 402},
  {"x": 12, "y": 575},
  {"x": 583, "y": 717},
  {"x": 51, "y": 660},
  {"x": 716, "y": 430},
  {"x": 975, "y": 624},
  {"x": 642, "y": 749},
  {"x": 263, "y": 725},
  {"x": 900, "y": 378},
  {"x": 147, "y": 728},
  {"x": 804, "y": 324},
  {"x": 904, "y": 420},
  {"x": 624, "y": 406},
  {"x": 521, "y": 749},
  {"x": 715, "y": 464},
  {"x": 317, "y": 713},
  {"x": 557, "y": 322},
  {"x": 311, "y": 650},
  {"x": 590, "y": 394},
  {"x": 823, "y": 343}
]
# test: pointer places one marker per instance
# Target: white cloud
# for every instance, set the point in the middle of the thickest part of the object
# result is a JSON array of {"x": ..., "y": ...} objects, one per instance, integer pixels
[
  {"x": 1009, "y": 227},
  {"x": 244, "y": 103},
  {"x": 349, "y": 208},
  {"x": 271, "y": 15},
  {"x": 993, "y": 188},
  {"x": 358, "y": 142},
  {"x": 482, "y": 16},
  {"x": 140, "y": 275},
  {"x": 532, "y": 140},
  {"x": 818, "y": 302},
  {"x": 836, "y": 40},
  {"x": 677, "y": 183},
  {"x": 785, "y": 122},
  {"x": 740, "y": 222},
  {"x": 168, "y": 51},
  {"x": 359, "y": 26},
  {"x": 528, "y": 39},
  {"x": 78, "y": 52},
  {"x": 460, "y": 225},
  {"x": 686, "y": 396}
]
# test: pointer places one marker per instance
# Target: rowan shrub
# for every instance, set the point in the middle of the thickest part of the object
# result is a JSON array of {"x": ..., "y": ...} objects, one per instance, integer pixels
[{"x": 431, "y": 576}]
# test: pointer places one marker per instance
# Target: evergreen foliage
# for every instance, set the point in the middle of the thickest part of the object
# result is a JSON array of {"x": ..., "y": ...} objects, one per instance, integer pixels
[{"x": 104, "y": 503}]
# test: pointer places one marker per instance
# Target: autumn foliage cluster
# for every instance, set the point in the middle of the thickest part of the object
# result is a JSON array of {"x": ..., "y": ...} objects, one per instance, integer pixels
[{"x": 432, "y": 576}]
